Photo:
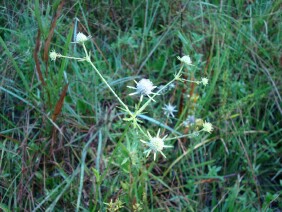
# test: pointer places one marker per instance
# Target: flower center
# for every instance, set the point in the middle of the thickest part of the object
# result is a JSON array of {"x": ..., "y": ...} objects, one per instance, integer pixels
[{"x": 157, "y": 144}]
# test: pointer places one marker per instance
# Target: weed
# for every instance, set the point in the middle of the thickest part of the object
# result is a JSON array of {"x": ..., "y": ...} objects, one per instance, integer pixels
[{"x": 72, "y": 138}]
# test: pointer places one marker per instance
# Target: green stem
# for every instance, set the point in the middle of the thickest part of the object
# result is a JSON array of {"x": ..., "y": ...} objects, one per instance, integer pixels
[
  {"x": 74, "y": 58},
  {"x": 142, "y": 130},
  {"x": 186, "y": 80},
  {"x": 105, "y": 81}
]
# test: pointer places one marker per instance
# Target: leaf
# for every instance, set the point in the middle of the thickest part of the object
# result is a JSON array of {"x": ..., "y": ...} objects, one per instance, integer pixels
[
  {"x": 97, "y": 175},
  {"x": 4, "y": 208},
  {"x": 36, "y": 59},
  {"x": 51, "y": 31},
  {"x": 60, "y": 103}
]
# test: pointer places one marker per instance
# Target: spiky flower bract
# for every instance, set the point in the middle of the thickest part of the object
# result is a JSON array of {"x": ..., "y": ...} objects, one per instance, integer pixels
[
  {"x": 155, "y": 144},
  {"x": 169, "y": 110}
]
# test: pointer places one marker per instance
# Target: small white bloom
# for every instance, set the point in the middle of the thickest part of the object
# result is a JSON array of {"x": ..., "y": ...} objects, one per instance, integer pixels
[
  {"x": 207, "y": 127},
  {"x": 205, "y": 81},
  {"x": 143, "y": 87},
  {"x": 185, "y": 59},
  {"x": 169, "y": 110},
  {"x": 53, "y": 55},
  {"x": 156, "y": 144},
  {"x": 81, "y": 38}
]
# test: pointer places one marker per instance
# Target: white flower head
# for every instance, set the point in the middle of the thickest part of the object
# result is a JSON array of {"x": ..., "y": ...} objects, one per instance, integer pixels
[
  {"x": 143, "y": 87},
  {"x": 205, "y": 81},
  {"x": 169, "y": 110},
  {"x": 53, "y": 55},
  {"x": 156, "y": 144},
  {"x": 81, "y": 38},
  {"x": 207, "y": 127},
  {"x": 185, "y": 59}
]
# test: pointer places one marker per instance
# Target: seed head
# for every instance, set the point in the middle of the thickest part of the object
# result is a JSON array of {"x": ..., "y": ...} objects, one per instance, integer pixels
[
  {"x": 199, "y": 122},
  {"x": 53, "y": 55},
  {"x": 185, "y": 59},
  {"x": 81, "y": 38},
  {"x": 207, "y": 127},
  {"x": 205, "y": 81}
]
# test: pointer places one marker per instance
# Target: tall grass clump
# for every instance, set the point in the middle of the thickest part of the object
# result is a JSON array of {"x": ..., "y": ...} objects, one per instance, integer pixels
[{"x": 140, "y": 105}]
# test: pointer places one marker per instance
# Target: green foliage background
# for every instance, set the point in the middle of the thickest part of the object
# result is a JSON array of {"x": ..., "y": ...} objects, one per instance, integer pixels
[{"x": 89, "y": 156}]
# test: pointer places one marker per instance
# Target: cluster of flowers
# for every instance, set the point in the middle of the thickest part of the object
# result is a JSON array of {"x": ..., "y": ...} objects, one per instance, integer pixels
[{"x": 143, "y": 88}]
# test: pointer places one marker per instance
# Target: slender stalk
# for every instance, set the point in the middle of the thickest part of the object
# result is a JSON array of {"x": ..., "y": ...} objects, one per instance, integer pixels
[
  {"x": 73, "y": 58},
  {"x": 105, "y": 81}
]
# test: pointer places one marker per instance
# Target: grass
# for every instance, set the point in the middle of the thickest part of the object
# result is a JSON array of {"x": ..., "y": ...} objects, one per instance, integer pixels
[{"x": 64, "y": 144}]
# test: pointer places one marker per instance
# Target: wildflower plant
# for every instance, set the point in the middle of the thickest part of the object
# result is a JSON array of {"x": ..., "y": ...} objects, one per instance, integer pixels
[
  {"x": 114, "y": 206},
  {"x": 144, "y": 88}
]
